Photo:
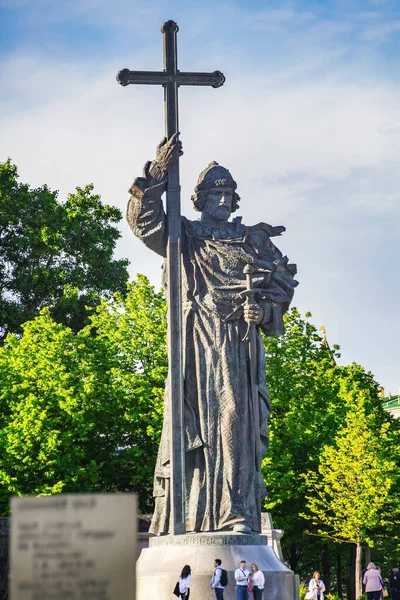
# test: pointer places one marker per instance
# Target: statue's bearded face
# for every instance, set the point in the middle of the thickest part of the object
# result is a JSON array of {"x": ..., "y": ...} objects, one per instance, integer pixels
[{"x": 218, "y": 205}]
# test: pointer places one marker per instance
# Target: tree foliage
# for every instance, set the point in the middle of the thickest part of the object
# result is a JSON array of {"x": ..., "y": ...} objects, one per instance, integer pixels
[
  {"x": 82, "y": 412},
  {"x": 310, "y": 399},
  {"x": 53, "y": 254},
  {"x": 353, "y": 494},
  {"x": 303, "y": 415},
  {"x": 349, "y": 496}
]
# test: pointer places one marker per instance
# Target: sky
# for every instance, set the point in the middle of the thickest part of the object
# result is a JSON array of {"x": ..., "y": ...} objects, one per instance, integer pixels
[{"x": 308, "y": 122}]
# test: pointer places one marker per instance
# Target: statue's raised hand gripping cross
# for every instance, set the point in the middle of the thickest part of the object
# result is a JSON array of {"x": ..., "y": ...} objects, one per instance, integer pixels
[{"x": 171, "y": 78}]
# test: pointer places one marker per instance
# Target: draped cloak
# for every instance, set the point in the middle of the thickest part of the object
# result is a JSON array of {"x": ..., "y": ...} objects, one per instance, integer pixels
[{"x": 224, "y": 486}]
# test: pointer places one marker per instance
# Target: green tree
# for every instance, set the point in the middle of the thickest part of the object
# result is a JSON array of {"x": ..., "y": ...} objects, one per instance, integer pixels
[
  {"x": 131, "y": 333},
  {"x": 301, "y": 376},
  {"x": 308, "y": 408},
  {"x": 83, "y": 412},
  {"x": 53, "y": 254},
  {"x": 352, "y": 493}
]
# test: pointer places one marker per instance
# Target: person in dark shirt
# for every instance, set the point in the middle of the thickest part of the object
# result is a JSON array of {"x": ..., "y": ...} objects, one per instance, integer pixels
[{"x": 394, "y": 583}]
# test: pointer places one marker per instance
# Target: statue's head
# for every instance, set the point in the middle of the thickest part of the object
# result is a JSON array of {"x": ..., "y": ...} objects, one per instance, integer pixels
[{"x": 215, "y": 193}]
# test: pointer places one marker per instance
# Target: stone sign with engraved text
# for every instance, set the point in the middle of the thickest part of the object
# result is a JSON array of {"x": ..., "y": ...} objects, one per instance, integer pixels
[{"x": 80, "y": 547}]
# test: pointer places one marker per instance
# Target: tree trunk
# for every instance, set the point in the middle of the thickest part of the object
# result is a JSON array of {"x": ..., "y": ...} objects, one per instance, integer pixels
[
  {"x": 358, "y": 571},
  {"x": 367, "y": 555},
  {"x": 339, "y": 574},
  {"x": 351, "y": 580},
  {"x": 293, "y": 557},
  {"x": 326, "y": 575}
]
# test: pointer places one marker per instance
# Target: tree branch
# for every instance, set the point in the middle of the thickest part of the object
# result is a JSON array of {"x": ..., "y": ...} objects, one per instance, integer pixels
[{"x": 331, "y": 537}]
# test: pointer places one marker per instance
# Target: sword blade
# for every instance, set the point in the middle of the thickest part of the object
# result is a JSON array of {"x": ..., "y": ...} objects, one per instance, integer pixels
[{"x": 253, "y": 370}]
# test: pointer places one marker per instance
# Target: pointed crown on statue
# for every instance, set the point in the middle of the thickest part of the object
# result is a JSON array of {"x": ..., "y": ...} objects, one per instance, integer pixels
[{"x": 215, "y": 176}]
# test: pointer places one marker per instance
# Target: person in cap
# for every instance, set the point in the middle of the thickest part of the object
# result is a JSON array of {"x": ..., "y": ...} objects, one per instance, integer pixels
[
  {"x": 394, "y": 583},
  {"x": 224, "y": 485}
]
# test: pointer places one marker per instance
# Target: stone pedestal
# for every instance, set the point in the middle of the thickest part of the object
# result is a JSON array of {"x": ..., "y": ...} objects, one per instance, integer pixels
[
  {"x": 159, "y": 566},
  {"x": 274, "y": 535}
]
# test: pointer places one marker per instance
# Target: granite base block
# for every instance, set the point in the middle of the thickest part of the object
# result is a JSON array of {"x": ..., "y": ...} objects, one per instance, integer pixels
[{"x": 159, "y": 566}]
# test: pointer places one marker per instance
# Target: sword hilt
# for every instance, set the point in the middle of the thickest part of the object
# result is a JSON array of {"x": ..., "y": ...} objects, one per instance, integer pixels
[{"x": 248, "y": 271}]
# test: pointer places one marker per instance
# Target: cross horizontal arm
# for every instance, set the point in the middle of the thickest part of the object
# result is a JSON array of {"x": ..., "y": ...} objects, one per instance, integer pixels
[
  {"x": 126, "y": 77},
  {"x": 215, "y": 79}
]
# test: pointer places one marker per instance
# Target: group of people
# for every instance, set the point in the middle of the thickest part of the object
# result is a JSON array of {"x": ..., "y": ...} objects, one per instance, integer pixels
[
  {"x": 247, "y": 582},
  {"x": 253, "y": 581},
  {"x": 374, "y": 584}
]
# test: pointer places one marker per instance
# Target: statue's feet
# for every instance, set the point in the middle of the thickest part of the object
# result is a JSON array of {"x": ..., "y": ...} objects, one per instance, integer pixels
[{"x": 241, "y": 528}]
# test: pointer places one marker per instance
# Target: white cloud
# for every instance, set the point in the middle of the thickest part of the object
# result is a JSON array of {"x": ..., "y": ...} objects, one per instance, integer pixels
[
  {"x": 378, "y": 2},
  {"x": 276, "y": 19},
  {"x": 381, "y": 32},
  {"x": 43, "y": 13}
]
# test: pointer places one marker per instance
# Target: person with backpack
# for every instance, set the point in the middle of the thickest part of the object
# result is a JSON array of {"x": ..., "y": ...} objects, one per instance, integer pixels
[{"x": 219, "y": 580}]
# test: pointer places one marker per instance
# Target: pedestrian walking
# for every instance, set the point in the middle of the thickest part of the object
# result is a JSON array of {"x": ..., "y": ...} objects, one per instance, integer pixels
[
  {"x": 242, "y": 579},
  {"x": 257, "y": 582},
  {"x": 216, "y": 580},
  {"x": 373, "y": 582},
  {"x": 184, "y": 582}
]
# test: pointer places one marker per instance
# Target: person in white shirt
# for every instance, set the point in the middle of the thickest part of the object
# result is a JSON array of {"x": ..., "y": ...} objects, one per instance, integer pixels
[
  {"x": 257, "y": 581},
  {"x": 317, "y": 586},
  {"x": 242, "y": 579},
  {"x": 184, "y": 582},
  {"x": 216, "y": 580}
]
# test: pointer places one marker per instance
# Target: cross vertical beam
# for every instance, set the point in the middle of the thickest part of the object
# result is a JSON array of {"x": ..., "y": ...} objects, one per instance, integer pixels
[
  {"x": 174, "y": 292},
  {"x": 171, "y": 78}
]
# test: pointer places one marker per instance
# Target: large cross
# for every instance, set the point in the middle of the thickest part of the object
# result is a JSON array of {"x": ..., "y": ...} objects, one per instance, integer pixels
[{"x": 171, "y": 78}]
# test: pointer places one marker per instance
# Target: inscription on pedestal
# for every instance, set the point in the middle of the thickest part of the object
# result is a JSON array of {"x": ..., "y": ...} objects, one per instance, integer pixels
[{"x": 210, "y": 539}]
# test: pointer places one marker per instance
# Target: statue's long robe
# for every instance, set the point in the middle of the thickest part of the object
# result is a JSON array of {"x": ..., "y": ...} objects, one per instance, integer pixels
[{"x": 224, "y": 486}]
